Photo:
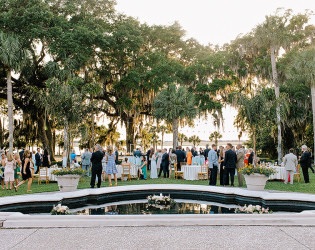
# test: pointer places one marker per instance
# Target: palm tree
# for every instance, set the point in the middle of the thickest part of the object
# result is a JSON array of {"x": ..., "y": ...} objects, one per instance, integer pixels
[
  {"x": 173, "y": 104},
  {"x": 215, "y": 136},
  {"x": 12, "y": 56},
  {"x": 195, "y": 140},
  {"x": 303, "y": 69},
  {"x": 182, "y": 138},
  {"x": 163, "y": 130}
]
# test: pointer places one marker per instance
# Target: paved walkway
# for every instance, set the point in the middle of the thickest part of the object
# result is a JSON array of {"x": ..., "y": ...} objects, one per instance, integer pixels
[{"x": 195, "y": 237}]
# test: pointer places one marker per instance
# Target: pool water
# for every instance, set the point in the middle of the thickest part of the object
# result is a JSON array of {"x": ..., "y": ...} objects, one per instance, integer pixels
[{"x": 181, "y": 207}]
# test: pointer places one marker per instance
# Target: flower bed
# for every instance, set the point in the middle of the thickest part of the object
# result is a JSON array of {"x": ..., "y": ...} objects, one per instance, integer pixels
[
  {"x": 160, "y": 201},
  {"x": 252, "y": 210},
  {"x": 60, "y": 210},
  {"x": 250, "y": 169},
  {"x": 68, "y": 171}
]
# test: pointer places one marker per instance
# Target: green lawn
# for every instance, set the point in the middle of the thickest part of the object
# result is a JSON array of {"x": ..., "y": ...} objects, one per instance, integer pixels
[{"x": 85, "y": 183}]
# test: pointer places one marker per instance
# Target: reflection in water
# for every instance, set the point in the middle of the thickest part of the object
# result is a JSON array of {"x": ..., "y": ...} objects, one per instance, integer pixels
[{"x": 143, "y": 208}]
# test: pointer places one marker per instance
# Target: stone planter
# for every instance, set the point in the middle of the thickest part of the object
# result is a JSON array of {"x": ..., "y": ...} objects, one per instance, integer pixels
[
  {"x": 68, "y": 183},
  {"x": 256, "y": 182}
]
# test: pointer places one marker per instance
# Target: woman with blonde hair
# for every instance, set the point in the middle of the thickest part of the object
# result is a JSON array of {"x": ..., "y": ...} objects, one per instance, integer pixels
[
  {"x": 9, "y": 171},
  {"x": 26, "y": 171},
  {"x": 111, "y": 165}
]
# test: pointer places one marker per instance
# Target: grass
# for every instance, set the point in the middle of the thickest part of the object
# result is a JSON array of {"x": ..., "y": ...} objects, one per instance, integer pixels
[{"x": 85, "y": 183}]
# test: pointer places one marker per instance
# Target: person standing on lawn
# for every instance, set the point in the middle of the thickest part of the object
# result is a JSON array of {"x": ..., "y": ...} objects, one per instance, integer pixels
[
  {"x": 240, "y": 153},
  {"x": 229, "y": 165},
  {"x": 96, "y": 160},
  {"x": 86, "y": 161},
  {"x": 305, "y": 161},
  {"x": 213, "y": 165},
  {"x": 290, "y": 163}
]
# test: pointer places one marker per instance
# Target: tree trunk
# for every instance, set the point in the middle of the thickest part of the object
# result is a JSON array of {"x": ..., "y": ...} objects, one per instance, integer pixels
[
  {"x": 10, "y": 109},
  {"x": 277, "y": 92},
  {"x": 130, "y": 134},
  {"x": 216, "y": 141},
  {"x": 50, "y": 141},
  {"x": 175, "y": 133},
  {"x": 162, "y": 140},
  {"x": 313, "y": 109},
  {"x": 65, "y": 138},
  {"x": 92, "y": 130},
  {"x": 45, "y": 140},
  {"x": 254, "y": 142}
]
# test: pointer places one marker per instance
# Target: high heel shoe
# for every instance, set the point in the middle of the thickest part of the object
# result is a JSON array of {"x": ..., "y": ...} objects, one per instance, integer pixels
[
  {"x": 110, "y": 185},
  {"x": 115, "y": 184}
]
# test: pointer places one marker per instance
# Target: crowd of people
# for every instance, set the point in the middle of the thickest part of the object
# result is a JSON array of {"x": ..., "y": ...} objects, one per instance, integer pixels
[
  {"x": 223, "y": 162},
  {"x": 21, "y": 165}
]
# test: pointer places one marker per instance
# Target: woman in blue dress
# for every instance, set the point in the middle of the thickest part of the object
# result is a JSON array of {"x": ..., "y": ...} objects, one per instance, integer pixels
[
  {"x": 143, "y": 168},
  {"x": 111, "y": 165}
]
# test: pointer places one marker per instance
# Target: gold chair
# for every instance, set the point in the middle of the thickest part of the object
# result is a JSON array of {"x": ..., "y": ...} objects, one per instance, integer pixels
[
  {"x": 43, "y": 174},
  {"x": 298, "y": 173},
  {"x": 126, "y": 172},
  {"x": 177, "y": 173},
  {"x": 204, "y": 172}
]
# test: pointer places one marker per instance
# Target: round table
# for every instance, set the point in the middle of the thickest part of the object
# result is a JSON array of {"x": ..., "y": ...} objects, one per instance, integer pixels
[
  {"x": 280, "y": 175},
  {"x": 191, "y": 172}
]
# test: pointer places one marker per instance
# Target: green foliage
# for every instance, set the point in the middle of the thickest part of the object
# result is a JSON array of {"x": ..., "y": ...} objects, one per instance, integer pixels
[
  {"x": 195, "y": 140},
  {"x": 69, "y": 171},
  {"x": 250, "y": 169}
]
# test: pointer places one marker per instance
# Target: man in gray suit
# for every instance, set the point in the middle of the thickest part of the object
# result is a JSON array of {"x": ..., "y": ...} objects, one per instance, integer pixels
[
  {"x": 290, "y": 162},
  {"x": 240, "y": 154},
  {"x": 213, "y": 165},
  {"x": 86, "y": 161}
]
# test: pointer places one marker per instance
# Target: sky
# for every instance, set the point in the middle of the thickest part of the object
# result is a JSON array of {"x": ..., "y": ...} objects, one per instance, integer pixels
[{"x": 210, "y": 22}]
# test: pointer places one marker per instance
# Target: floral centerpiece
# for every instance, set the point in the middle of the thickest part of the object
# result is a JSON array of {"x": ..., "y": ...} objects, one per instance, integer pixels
[
  {"x": 160, "y": 201},
  {"x": 252, "y": 210},
  {"x": 250, "y": 169},
  {"x": 60, "y": 210},
  {"x": 68, "y": 171}
]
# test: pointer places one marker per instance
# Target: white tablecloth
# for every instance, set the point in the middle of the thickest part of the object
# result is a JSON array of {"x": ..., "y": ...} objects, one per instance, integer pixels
[
  {"x": 191, "y": 172},
  {"x": 280, "y": 175}
]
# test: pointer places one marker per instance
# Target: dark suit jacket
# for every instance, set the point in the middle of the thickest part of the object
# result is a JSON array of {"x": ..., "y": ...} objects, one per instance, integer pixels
[
  {"x": 21, "y": 153},
  {"x": 180, "y": 156},
  {"x": 206, "y": 152},
  {"x": 306, "y": 160},
  {"x": 148, "y": 155},
  {"x": 194, "y": 153},
  {"x": 251, "y": 158},
  {"x": 230, "y": 159},
  {"x": 38, "y": 159},
  {"x": 137, "y": 153},
  {"x": 165, "y": 160},
  {"x": 96, "y": 159}
]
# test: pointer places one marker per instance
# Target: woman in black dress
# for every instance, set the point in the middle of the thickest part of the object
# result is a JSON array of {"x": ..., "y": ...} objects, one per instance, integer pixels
[
  {"x": 46, "y": 159},
  {"x": 26, "y": 171}
]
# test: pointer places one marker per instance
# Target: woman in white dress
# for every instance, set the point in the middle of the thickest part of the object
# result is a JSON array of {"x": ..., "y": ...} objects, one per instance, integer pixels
[
  {"x": 153, "y": 173},
  {"x": 159, "y": 159}
]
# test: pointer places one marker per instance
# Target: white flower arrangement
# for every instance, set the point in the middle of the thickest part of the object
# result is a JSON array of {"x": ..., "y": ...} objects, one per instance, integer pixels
[
  {"x": 60, "y": 210},
  {"x": 252, "y": 210},
  {"x": 160, "y": 201}
]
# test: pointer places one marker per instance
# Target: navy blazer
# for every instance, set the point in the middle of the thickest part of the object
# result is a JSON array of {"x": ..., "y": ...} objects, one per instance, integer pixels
[
  {"x": 165, "y": 160},
  {"x": 230, "y": 159},
  {"x": 96, "y": 159},
  {"x": 180, "y": 156},
  {"x": 306, "y": 160}
]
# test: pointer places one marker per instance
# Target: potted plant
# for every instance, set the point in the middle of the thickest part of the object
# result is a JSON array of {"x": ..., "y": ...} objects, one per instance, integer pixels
[
  {"x": 256, "y": 176},
  {"x": 68, "y": 179}
]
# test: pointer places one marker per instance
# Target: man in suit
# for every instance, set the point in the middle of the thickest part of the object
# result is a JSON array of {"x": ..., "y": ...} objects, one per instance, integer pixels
[
  {"x": 240, "y": 154},
  {"x": 305, "y": 161},
  {"x": 194, "y": 152},
  {"x": 86, "y": 161},
  {"x": 213, "y": 165},
  {"x": 206, "y": 152},
  {"x": 148, "y": 158},
  {"x": 290, "y": 163},
  {"x": 137, "y": 153},
  {"x": 38, "y": 160},
  {"x": 21, "y": 153},
  {"x": 229, "y": 165},
  {"x": 96, "y": 160},
  {"x": 165, "y": 164},
  {"x": 180, "y": 157}
]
